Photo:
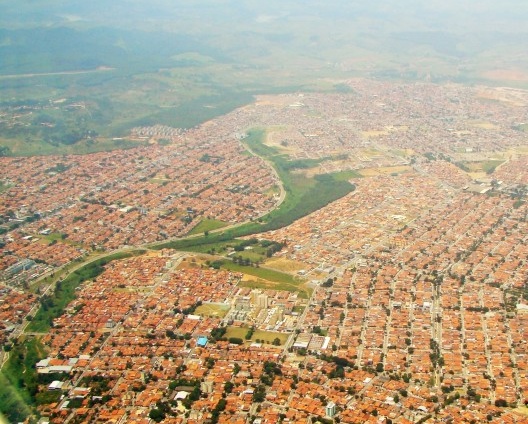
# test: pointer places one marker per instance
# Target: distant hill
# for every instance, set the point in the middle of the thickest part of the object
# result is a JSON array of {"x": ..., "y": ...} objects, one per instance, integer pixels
[{"x": 64, "y": 35}]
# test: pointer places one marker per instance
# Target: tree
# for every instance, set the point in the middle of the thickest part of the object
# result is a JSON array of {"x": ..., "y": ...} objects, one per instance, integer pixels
[
  {"x": 259, "y": 394},
  {"x": 228, "y": 387},
  {"x": 328, "y": 283},
  {"x": 276, "y": 341},
  {"x": 157, "y": 415},
  {"x": 501, "y": 403}
]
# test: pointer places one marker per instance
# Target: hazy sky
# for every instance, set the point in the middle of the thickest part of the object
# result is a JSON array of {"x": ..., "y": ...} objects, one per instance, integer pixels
[{"x": 435, "y": 14}]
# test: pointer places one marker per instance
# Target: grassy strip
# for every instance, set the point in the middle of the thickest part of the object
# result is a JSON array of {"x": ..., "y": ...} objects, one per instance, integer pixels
[
  {"x": 53, "y": 306},
  {"x": 304, "y": 195},
  {"x": 264, "y": 273},
  {"x": 207, "y": 225},
  {"x": 4, "y": 186},
  {"x": 18, "y": 381},
  {"x": 12, "y": 404},
  {"x": 346, "y": 175},
  {"x": 489, "y": 166}
]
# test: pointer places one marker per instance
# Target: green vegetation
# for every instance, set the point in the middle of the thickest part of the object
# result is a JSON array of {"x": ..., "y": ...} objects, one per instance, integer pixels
[
  {"x": 304, "y": 195},
  {"x": 111, "y": 103},
  {"x": 298, "y": 309},
  {"x": 52, "y": 306},
  {"x": 270, "y": 337},
  {"x": 259, "y": 249},
  {"x": 18, "y": 380},
  {"x": 462, "y": 166},
  {"x": 346, "y": 175},
  {"x": 54, "y": 237},
  {"x": 266, "y": 278},
  {"x": 212, "y": 310},
  {"x": 12, "y": 403},
  {"x": 4, "y": 186},
  {"x": 236, "y": 332},
  {"x": 489, "y": 166},
  {"x": 303, "y": 293},
  {"x": 247, "y": 253},
  {"x": 264, "y": 273},
  {"x": 47, "y": 397},
  {"x": 207, "y": 225}
]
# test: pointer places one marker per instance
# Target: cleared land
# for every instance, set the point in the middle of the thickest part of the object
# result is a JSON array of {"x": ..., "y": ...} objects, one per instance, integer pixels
[
  {"x": 374, "y": 172},
  {"x": 212, "y": 310},
  {"x": 285, "y": 265},
  {"x": 261, "y": 336}
]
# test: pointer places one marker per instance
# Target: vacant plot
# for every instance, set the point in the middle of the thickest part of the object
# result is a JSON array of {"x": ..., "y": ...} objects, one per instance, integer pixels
[
  {"x": 216, "y": 310},
  {"x": 476, "y": 167},
  {"x": 274, "y": 140},
  {"x": 5, "y": 186},
  {"x": 483, "y": 124},
  {"x": 258, "y": 283},
  {"x": 374, "y": 172},
  {"x": 269, "y": 337},
  {"x": 522, "y": 410},
  {"x": 374, "y": 133},
  {"x": 238, "y": 332},
  {"x": 285, "y": 265},
  {"x": 489, "y": 166},
  {"x": 264, "y": 273}
]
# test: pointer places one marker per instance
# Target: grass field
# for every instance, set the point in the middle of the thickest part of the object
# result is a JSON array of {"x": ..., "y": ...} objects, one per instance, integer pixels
[
  {"x": 207, "y": 225},
  {"x": 269, "y": 336},
  {"x": 489, "y": 166},
  {"x": 346, "y": 175},
  {"x": 262, "y": 336},
  {"x": 299, "y": 309},
  {"x": 476, "y": 167},
  {"x": 212, "y": 310},
  {"x": 257, "y": 253},
  {"x": 264, "y": 278},
  {"x": 264, "y": 273},
  {"x": 284, "y": 265},
  {"x": 239, "y": 332}
]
